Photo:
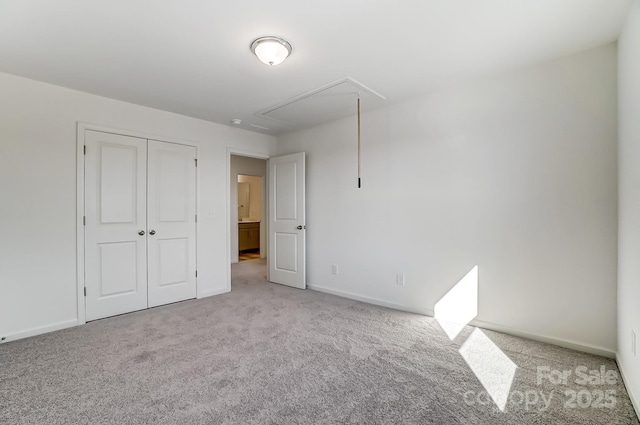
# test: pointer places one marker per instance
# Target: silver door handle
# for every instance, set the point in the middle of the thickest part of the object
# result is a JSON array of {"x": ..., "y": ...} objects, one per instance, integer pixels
[
  {"x": 152, "y": 232},
  {"x": 141, "y": 232}
]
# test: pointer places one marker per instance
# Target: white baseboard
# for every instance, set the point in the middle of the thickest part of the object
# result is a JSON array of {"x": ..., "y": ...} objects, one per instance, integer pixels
[
  {"x": 213, "y": 292},
  {"x": 586, "y": 348},
  {"x": 573, "y": 345},
  {"x": 634, "y": 400},
  {"x": 70, "y": 323},
  {"x": 369, "y": 300},
  {"x": 39, "y": 330}
]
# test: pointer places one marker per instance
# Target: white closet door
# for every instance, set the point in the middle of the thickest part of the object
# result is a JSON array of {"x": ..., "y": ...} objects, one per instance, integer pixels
[
  {"x": 171, "y": 222},
  {"x": 115, "y": 211}
]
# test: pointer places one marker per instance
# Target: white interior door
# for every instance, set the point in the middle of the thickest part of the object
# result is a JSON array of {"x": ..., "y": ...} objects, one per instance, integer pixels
[
  {"x": 171, "y": 222},
  {"x": 115, "y": 213},
  {"x": 287, "y": 260}
]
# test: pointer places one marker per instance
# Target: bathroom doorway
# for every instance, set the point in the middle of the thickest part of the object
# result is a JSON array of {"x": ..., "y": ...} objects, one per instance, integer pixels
[
  {"x": 249, "y": 216},
  {"x": 248, "y": 235}
]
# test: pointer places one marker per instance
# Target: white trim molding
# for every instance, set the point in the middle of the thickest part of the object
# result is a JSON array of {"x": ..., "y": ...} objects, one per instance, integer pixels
[
  {"x": 573, "y": 345},
  {"x": 370, "y": 300},
  {"x": 40, "y": 330},
  {"x": 213, "y": 292},
  {"x": 634, "y": 401}
]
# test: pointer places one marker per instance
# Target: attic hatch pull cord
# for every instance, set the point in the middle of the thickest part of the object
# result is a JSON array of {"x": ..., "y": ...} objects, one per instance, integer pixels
[{"x": 359, "y": 186}]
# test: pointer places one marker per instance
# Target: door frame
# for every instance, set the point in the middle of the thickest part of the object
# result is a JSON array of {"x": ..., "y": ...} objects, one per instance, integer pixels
[
  {"x": 248, "y": 154},
  {"x": 81, "y": 128}
]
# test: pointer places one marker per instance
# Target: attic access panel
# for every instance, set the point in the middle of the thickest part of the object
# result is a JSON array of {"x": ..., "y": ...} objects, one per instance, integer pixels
[{"x": 324, "y": 104}]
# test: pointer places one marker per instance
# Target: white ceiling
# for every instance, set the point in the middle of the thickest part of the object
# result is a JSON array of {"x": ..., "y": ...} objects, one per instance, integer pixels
[{"x": 192, "y": 56}]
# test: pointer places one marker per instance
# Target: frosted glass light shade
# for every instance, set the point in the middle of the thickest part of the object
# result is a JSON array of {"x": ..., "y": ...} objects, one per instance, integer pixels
[{"x": 271, "y": 50}]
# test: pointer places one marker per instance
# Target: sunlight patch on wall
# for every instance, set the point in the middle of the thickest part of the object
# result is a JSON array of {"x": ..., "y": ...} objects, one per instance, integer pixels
[
  {"x": 459, "y": 306},
  {"x": 492, "y": 367}
]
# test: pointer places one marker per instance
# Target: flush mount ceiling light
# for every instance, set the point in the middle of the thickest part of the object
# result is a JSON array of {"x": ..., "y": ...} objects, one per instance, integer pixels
[{"x": 271, "y": 50}]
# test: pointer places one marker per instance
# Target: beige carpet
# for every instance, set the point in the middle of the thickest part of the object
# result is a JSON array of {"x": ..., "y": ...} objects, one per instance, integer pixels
[{"x": 268, "y": 354}]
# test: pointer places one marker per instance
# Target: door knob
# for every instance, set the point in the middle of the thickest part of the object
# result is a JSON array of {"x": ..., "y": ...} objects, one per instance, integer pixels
[
  {"x": 141, "y": 232},
  {"x": 152, "y": 232},
  {"x": 301, "y": 227}
]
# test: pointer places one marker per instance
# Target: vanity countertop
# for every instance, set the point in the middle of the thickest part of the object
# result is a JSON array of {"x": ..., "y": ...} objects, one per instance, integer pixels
[{"x": 249, "y": 221}]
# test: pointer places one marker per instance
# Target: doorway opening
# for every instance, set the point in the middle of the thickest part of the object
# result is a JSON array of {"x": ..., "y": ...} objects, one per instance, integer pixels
[
  {"x": 249, "y": 216},
  {"x": 248, "y": 208}
]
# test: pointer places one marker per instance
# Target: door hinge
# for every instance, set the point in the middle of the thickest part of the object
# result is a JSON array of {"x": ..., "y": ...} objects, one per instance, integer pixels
[
  {"x": 85, "y": 291},
  {"x": 84, "y": 220},
  {"x": 196, "y": 273},
  {"x": 196, "y": 160},
  {"x": 84, "y": 149}
]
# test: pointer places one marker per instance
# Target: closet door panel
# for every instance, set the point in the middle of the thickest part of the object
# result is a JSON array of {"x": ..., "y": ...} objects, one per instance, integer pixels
[
  {"x": 115, "y": 213},
  {"x": 171, "y": 199}
]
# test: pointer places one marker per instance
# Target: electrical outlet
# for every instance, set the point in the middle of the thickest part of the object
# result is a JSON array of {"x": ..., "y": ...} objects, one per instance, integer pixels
[
  {"x": 334, "y": 269},
  {"x": 633, "y": 343},
  {"x": 400, "y": 279}
]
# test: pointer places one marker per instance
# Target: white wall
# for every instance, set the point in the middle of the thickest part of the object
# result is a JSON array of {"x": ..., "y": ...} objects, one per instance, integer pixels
[
  {"x": 629, "y": 192},
  {"x": 38, "y": 195},
  {"x": 516, "y": 174},
  {"x": 251, "y": 167}
]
